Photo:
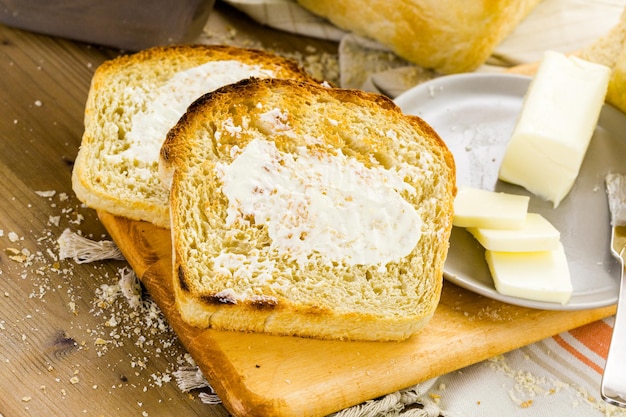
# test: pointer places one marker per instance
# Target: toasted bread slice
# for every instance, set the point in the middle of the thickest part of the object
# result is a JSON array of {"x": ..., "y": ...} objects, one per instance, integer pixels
[
  {"x": 133, "y": 101},
  {"x": 299, "y": 209}
]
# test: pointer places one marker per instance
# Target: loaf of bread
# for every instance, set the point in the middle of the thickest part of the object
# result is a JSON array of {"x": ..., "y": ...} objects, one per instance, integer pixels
[
  {"x": 300, "y": 209},
  {"x": 132, "y": 103},
  {"x": 448, "y": 36},
  {"x": 610, "y": 50}
]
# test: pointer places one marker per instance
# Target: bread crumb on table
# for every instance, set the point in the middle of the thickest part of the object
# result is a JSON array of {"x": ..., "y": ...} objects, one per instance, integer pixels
[
  {"x": 321, "y": 65},
  {"x": 122, "y": 314}
]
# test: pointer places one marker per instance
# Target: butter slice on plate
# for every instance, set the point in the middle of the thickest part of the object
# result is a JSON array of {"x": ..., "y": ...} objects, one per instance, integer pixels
[
  {"x": 474, "y": 207},
  {"x": 558, "y": 118},
  {"x": 540, "y": 276},
  {"x": 537, "y": 234}
]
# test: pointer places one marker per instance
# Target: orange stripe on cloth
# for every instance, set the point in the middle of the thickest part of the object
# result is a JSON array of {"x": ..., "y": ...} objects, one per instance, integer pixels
[
  {"x": 595, "y": 336},
  {"x": 572, "y": 351}
]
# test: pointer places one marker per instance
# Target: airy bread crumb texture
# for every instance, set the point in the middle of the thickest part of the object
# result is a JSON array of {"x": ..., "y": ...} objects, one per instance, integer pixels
[
  {"x": 114, "y": 172},
  {"x": 610, "y": 50},
  {"x": 264, "y": 289}
]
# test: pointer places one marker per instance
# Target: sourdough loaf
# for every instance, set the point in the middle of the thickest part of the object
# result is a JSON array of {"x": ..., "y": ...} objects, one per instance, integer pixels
[
  {"x": 448, "y": 36},
  {"x": 610, "y": 50},
  {"x": 132, "y": 103},
  {"x": 300, "y": 209}
]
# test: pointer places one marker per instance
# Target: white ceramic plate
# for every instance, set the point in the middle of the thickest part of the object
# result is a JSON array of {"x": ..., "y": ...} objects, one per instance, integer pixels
[{"x": 475, "y": 115}]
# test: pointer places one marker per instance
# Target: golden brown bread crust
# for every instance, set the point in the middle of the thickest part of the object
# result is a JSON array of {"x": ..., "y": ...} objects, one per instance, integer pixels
[
  {"x": 449, "y": 36},
  {"x": 196, "y": 145},
  {"x": 101, "y": 177},
  {"x": 178, "y": 57},
  {"x": 610, "y": 50},
  {"x": 173, "y": 152}
]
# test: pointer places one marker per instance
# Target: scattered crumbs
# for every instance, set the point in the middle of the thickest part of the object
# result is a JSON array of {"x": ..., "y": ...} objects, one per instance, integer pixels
[
  {"x": 38, "y": 103},
  {"x": 526, "y": 404},
  {"x": 320, "y": 65},
  {"x": 26, "y": 399},
  {"x": 435, "y": 397},
  {"x": 527, "y": 386},
  {"x": 489, "y": 313},
  {"x": 72, "y": 307},
  {"x": 123, "y": 314},
  {"x": 46, "y": 194},
  {"x": 100, "y": 341}
]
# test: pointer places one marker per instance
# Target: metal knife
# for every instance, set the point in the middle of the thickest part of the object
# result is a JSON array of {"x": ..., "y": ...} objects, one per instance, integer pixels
[{"x": 613, "y": 386}]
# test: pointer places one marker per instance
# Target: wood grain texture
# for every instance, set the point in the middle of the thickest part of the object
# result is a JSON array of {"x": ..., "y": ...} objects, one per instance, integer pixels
[
  {"x": 50, "y": 361},
  {"x": 262, "y": 375}
]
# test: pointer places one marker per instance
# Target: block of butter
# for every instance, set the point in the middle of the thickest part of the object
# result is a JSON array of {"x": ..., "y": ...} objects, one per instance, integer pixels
[
  {"x": 540, "y": 276},
  {"x": 474, "y": 207},
  {"x": 558, "y": 117},
  {"x": 537, "y": 234}
]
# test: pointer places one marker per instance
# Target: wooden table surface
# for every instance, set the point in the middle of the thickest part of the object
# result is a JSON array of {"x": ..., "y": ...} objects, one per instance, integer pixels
[
  {"x": 67, "y": 346},
  {"x": 69, "y": 343}
]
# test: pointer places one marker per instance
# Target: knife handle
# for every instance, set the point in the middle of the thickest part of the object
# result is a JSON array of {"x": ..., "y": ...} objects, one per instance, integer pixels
[{"x": 613, "y": 386}]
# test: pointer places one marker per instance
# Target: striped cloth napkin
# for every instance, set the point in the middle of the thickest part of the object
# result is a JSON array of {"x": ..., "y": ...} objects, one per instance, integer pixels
[{"x": 558, "y": 376}]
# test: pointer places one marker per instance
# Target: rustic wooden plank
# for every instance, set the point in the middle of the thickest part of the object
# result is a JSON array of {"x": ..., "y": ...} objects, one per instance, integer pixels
[{"x": 52, "y": 361}]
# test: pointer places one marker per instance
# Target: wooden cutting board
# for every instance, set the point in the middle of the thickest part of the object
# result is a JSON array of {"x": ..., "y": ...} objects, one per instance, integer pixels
[{"x": 261, "y": 375}]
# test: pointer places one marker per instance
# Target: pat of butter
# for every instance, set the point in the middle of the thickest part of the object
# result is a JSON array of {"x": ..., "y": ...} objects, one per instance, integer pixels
[
  {"x": 313, "y": 203},
  {"x": 540, "y": 276},
  {"x": 558, "y": 117},
  {"x": 474, "y": 207},
  {"x": 537, "y": 234}
]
